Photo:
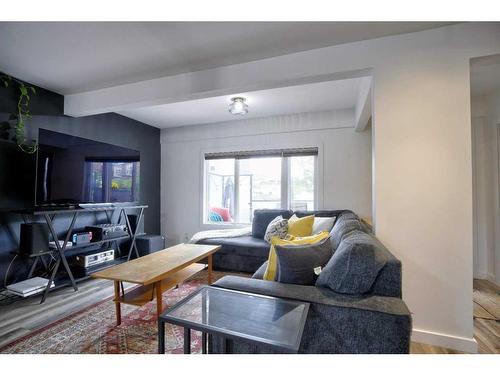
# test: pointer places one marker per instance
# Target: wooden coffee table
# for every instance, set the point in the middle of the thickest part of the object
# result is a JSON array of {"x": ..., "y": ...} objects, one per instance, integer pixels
[{"x": 156, "y": 273}]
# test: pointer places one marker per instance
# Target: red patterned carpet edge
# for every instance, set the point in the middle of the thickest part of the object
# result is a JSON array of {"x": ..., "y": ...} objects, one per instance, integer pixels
[{"x": 93, "y": 329}]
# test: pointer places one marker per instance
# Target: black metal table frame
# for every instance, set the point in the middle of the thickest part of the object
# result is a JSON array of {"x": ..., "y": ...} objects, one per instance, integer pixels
[
  {"x": 49, "y": 217},
  {"x": 224, "y": 334}
]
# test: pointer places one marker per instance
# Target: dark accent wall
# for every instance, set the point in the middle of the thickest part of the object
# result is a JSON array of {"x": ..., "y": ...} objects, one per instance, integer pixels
[{"x": 47, "y": 110}]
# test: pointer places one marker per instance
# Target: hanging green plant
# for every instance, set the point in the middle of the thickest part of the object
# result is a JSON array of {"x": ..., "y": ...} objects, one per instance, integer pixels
[{"x": 23, "y": 114}]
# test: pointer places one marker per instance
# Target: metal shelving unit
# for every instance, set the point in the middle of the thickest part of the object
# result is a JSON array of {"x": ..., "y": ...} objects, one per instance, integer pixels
[{"x": 60, "y": 253}]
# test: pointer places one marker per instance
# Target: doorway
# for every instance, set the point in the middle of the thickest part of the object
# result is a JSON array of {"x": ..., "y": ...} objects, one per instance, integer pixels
[{"x": 485, "y": 122}]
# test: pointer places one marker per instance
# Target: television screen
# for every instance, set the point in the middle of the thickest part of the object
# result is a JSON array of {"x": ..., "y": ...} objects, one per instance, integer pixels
[
  {"x": 72, "y": 170},
  {"x": 17, "y": 177}
]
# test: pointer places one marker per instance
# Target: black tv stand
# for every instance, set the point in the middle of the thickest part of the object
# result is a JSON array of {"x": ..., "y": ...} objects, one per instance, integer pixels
[
  {"x": 57, "y": 207},
  {"x": 60, "y": 254}
]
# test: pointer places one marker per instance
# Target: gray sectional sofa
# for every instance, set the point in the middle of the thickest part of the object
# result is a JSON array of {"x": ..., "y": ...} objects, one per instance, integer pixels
[{"x": 341, "y": 319}]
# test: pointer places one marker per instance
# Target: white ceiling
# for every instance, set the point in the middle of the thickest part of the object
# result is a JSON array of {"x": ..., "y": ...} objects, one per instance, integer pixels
[
  {"x": 83, "y": 56},
  {"x": 485, "y": 75},
  {"x": 321, "y": 96}
]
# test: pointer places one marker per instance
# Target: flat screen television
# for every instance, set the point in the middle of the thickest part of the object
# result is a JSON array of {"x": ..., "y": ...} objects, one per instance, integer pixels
[
  {"x": 72, "y": 170},
  {"x": 17, "y": 177}
]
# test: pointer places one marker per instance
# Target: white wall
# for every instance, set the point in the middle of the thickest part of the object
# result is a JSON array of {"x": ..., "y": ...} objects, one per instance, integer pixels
[
  {"x": 344, "y": 161},
  {"x": 485, "y": 123},
  {"x": 422, "y": 171}
]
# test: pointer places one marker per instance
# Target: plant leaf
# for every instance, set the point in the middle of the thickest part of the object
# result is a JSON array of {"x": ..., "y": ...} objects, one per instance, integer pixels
[
  {"x": 33, "y": 90},
  {"x": 24, "y": 90},
  {"x": 5, "y": 79}
]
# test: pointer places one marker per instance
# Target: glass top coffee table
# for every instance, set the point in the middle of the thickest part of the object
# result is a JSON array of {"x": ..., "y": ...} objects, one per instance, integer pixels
[{"x": 262, "y": 320}]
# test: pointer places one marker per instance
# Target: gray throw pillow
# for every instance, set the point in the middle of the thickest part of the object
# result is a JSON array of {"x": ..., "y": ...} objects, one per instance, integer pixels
[
  {"x": 355, "y": 265},
  {"x": 278, "y": 227},
  {"x": 296, "y": 263},
  {"x": 343, "y": 226},
  {"x": 348, "y": 215}
]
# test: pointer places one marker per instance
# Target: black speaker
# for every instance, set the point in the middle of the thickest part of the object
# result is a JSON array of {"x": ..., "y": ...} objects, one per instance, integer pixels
[
  {"x": 148, "y": 244},
  {"x": 34, "y": 238}
]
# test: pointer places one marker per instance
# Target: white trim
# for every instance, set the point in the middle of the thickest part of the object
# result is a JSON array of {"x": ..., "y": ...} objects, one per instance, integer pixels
[
  {"x": 495, "y": 276},
  {"x": 285, "y": 187},
  {"x": 236, "y": 202},
  {"x": 373, "y": 145},
  {"x": 483, "y": 275},
  {"x": 463, "y": 344},
  {"x": 492, "y": 279},
  {"x": 480, "y": 275},
  {"x": 319, "y": 179},
  {"x": 203, "y": 190},
  {"x": 475, "y": 247}
]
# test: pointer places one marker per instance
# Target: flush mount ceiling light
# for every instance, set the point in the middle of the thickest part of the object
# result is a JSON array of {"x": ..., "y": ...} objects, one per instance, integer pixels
[{"x": 238, "y": 106}]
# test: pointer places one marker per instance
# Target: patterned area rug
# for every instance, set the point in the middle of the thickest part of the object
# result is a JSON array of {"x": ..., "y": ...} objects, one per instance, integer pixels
[{"x": 94, "y": 330}]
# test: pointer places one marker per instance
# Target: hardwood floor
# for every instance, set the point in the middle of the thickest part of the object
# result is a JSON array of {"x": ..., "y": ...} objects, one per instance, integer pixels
[
  {"x": 27, "y": 315},
  {"x": 24, "y": 316},
  {"x": 486, "y": 297}
]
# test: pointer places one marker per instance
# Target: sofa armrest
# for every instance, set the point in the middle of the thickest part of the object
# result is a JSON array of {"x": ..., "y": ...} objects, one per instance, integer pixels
[
  {"x": 335, "y": 323},
  {"x": 313, "y": 294}
]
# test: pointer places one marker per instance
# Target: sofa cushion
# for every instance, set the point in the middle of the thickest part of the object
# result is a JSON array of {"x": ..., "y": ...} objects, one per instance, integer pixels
[
  {"x": 355, "y": 265},
  {"x": 345, "y": 223},
  {"x": 320, "y": 213},
  {"x": 262, "y": 218},
  {"x": 278, "y": 227},
  {"x": 236, "y": 262},
  {"x": 243, "y": 245},
  {"x": 259, "y": 274},
  {"x": 296, "y": 264},
  {"x": 323, "y": 224},
  {"x": 348, "y": 215}
]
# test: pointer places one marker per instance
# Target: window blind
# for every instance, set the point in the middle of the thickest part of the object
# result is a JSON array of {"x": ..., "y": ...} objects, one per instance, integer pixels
[{"x": 287, "y": 152}]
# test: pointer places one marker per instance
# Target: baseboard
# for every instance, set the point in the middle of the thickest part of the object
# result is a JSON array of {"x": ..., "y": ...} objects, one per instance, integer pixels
[
  {"x": 492, "y": 279},
  {"x": 480, "y": 275},
  {"x": 463, "y": 344}
]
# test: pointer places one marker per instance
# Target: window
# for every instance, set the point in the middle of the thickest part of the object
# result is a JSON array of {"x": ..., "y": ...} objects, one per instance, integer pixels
[
  {"x": 220, "y": 190},
  {"x": 259, "y": 186},
  {"x": 236, "y": 184},
  {"x": 302, "y": 183},
  {"x": 112, "y": 181}
]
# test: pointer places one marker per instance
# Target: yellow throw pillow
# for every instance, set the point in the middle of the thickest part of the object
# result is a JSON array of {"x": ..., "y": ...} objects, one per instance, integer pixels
[
  {"x": 300, "y": 227},
  {"x": 272, "y": 264}
]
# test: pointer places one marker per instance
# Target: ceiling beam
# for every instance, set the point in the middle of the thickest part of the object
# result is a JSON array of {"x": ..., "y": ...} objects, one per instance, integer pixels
[
  {"x": 183, "y": 87},
  {"x": 227, "y": 80}
]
